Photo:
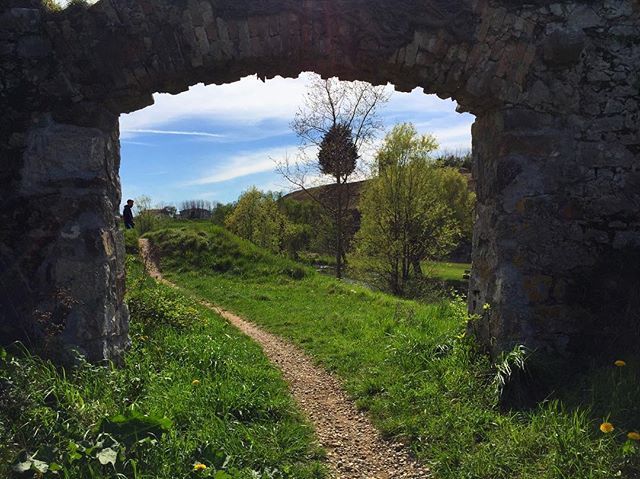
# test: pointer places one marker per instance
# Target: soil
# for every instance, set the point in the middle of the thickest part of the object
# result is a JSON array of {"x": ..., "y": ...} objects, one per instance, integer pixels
[{"x": 355, "y": 449}]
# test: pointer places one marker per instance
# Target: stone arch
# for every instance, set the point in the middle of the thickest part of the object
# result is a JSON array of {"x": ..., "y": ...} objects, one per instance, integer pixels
[{"x": 556, "y": 143}]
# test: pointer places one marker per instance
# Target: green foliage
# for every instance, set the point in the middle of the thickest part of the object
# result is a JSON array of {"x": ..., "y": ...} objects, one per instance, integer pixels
[
  {"x": 52, "y": 5},
  {"x": 147, "y": 221},
  {"x": 455, "y": 159},
  {"x": 338, "y": 153},
  {"x": 512, "y": 361},
  {"x": 422, "y": 380},
  {"x": 208, "y": 248},
  {"x": 132, "y": 427},
  {"x": 147, "y": 419},
  {"x": 220, "y": 212},
  {"x": 57, "y": 5},
  {"x": 256, "y": 217},
  {"x": 157, "y": 307},
  {"x": 131, "y": 241},
  {"x": 409, "y": 211},
  {"x": 453, "y": 189}
]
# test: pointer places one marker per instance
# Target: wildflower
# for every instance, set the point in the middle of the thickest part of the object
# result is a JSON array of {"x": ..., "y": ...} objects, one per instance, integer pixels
[
  {"x": 195, "y": 382},
  {"x": 634, "y": 436},
  {"x": 620, "y": 363},
  {"x": 198, "y": 466},
  {"x": 606, "y": 427},
  {"x": 486, "y": 307}
]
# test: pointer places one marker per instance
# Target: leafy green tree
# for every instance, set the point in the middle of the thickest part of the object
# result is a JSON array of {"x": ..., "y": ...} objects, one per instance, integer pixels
[
  {"x": 220, "y": 212},
  {"x": 256, "y": 217},
  {"x": 454, "y": 190},
  {"x": 406, "y": 214}
]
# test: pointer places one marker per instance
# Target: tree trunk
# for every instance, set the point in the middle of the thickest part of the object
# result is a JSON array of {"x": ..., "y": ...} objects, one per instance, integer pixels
[
  {"x": 339, "y": 214},
  {"x": 417, "y": 269}
]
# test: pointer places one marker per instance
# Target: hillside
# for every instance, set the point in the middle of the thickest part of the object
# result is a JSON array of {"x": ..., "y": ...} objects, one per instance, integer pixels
[{"x": 327, "y": 193}]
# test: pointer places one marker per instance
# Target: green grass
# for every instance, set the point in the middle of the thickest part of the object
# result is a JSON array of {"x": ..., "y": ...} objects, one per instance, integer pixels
[
  {"x": 148, "y": 416},
  {"x": 446, "y": 271},
  {"x": 410, "y": 365}
]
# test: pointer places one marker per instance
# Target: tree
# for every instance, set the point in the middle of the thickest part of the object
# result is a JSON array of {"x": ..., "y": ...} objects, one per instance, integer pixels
[
  {"x": 143, "y": 203},
  {"x": 337, "y": 157},
  {"x": 460, "y": 159},
  {"x": 338, "y": 118},
  {"x": 220, "y": 212},
  {"x": 406, "y": 218},
  {"x": 196, "y": 205},
  {"x": 256, "y": 218}
]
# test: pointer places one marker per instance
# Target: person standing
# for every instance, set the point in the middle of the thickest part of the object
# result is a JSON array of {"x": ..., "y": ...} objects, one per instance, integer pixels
[{"x": 127, "y": 215}]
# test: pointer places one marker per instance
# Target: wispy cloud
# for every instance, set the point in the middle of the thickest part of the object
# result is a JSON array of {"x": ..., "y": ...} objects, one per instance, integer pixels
[
  {"x": 172, "y": 132},
  {"x": 136, "y": 143},
  {"x": 243, "y": 164}
]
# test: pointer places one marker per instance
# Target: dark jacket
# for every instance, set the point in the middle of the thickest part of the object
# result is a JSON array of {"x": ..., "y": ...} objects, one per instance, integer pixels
[{"x": 127, "y": 215}]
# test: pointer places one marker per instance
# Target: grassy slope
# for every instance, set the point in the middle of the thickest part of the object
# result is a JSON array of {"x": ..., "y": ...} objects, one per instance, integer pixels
[
  {"x": 408, "y": 365},
  {"x": 240, "y": 412},
  {"x": 447, "y": 271}
]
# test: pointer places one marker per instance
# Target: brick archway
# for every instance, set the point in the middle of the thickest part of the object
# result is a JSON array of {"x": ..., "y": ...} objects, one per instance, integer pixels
[{"x": 556, "y": 143}]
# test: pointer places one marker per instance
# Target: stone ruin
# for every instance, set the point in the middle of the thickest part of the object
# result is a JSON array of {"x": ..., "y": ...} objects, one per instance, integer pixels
[{"x": 554, "y": 87}]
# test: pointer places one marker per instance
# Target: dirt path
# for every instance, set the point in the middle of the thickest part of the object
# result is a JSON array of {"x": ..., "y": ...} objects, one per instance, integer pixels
[{"x": 354, "y": 448}]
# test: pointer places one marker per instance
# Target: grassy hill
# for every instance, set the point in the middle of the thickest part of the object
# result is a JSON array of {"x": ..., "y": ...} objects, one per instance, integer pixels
[{"x": 412, "y": 367}]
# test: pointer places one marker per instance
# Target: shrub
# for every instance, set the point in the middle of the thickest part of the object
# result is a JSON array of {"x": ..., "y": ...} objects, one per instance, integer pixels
[{"x": 153, "y": 307}]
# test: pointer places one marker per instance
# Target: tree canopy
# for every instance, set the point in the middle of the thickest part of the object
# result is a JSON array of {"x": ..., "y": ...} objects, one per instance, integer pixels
[{"x": 412, "y": 210}]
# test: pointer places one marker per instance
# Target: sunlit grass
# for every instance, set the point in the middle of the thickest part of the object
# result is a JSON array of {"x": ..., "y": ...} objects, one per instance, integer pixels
[
  {"x": 446, "y": 271},
  {"x": 221, "y": 402},
  {"x": 410, "y": 365}
]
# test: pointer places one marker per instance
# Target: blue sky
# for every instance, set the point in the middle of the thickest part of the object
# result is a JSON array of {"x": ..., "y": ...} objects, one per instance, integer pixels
[{"x": 214, "y": 142}]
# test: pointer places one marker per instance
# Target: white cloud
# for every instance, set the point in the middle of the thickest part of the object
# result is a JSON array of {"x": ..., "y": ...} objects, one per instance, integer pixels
[
  {"x": 244, "y": 164},
  {"x": 247, "y": 101},
  {"x": 456, "y": 137},
  {"x": 172, "y": 132},
  {"x": 418, "y": 102},
  {"x": 261, "y": 109}
]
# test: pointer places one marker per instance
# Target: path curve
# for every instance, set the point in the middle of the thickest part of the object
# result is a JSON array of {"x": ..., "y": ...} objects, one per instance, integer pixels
[{"x": 355, "y": 449}]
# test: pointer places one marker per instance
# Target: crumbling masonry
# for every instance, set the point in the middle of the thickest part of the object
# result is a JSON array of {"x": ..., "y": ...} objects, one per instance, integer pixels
[{"x": 556, "y": 144}]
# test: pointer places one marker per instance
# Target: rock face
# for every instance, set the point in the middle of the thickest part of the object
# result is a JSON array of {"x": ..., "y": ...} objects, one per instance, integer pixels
[{"x": 554, "y": 87}]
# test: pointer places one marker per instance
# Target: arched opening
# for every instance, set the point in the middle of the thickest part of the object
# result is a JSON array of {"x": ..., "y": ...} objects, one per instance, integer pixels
[{"x": 214, "y": 142}]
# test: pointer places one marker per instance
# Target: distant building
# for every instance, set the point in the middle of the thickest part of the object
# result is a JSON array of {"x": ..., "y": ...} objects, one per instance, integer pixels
[
  {"x": 195, "y": 214},
  {"x": 167, "y": 212}
]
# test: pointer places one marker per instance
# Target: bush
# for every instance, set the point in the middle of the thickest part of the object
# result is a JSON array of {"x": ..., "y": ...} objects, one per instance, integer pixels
[
  {"x": 155, "y": 307},
  {"x": 131, "y": 241}
]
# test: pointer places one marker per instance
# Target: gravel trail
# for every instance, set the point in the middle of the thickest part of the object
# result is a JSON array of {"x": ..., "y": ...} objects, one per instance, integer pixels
[{"x": 355, "y": 450}]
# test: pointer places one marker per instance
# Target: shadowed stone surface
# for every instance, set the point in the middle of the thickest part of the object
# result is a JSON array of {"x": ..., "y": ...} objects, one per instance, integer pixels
[{"x": 554, "y": 87}]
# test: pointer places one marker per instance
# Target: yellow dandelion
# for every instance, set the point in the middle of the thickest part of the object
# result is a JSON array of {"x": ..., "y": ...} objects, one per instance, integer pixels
[
  {"x": 620, "y": 363},
  {"x": 606, "y": 427},
  {"x": 634, "y": 436},
  {"x": 198, "y": 466},
  {"x": 195, "y": 382}
]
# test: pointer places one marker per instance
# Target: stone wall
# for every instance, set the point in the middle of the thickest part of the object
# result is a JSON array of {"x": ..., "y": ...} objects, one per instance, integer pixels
[{"x": 554, "y": 87}]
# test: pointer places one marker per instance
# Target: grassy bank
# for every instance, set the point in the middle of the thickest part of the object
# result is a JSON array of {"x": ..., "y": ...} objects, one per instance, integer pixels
[
  {"x": 446, "y": 271},
  {"x": 193, "y": 391},
  {"x": 410, "y": 365}
]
